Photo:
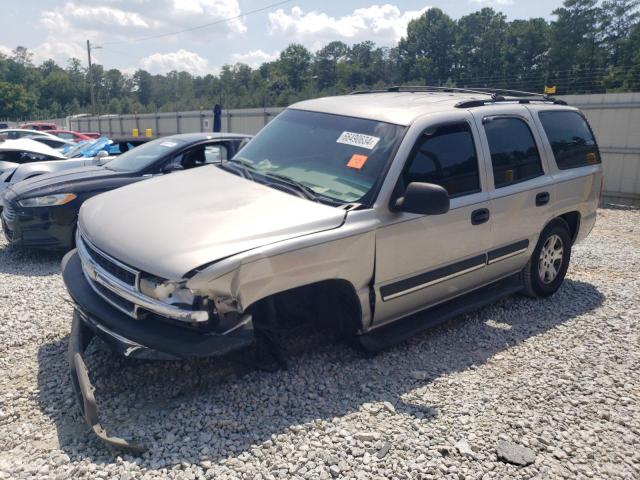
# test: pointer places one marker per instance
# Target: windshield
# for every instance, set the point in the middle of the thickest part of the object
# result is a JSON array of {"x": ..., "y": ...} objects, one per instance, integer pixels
[
  {"x": 336, "y": 157},
  {"x": 87, "y": 149},
  {"x": 143, "y": 156}
]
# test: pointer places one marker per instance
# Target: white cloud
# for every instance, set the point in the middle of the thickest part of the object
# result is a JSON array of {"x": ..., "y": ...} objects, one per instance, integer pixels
[
  {"x": 182, "y": 60},
  {"x": 254, "y": 58},
  {"x": 383, "y": 24},
  {"x": 493, "y": 2},
  {"x": 5, "y": 51},
  {"x": 70, "y": 24}
]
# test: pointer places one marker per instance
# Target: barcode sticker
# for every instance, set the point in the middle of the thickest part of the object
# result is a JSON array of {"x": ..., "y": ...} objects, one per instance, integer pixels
[{"x": 358, "y": 140}]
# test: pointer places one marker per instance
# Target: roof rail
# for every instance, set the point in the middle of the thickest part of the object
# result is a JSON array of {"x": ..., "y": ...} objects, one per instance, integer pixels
[
  {"x": 482, "y": 103},
  {"x": 424, "y": 88},
  {"x": 517, "y": 93},
  {"x": 494, "y": 94}
]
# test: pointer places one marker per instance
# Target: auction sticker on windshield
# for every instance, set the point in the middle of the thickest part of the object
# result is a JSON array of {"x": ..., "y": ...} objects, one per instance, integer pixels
[
  {"x": 358, "y": 140},
  {"x": 357, "y": 161}
]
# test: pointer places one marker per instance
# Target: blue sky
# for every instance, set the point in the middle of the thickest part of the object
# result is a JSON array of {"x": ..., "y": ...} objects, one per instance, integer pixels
[{"x": 59, "y": 28}]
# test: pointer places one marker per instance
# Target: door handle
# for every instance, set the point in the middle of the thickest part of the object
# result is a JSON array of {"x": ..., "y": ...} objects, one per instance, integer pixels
[
  {"x": 480, "y": 216},
  {"x": 542, "y": 199}
]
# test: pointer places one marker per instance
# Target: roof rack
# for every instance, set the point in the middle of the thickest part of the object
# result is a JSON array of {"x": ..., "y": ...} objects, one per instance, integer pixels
[
  {"x": 424, "y": 88},
  {"x": 482, "y": 103},
  {"x": 493, "y": 93}
]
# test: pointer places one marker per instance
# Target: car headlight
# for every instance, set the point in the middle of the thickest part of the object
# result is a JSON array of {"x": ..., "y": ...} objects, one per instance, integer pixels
[
  {"x": 158, "y": 288},
  {"x": 47, "y": 200}
]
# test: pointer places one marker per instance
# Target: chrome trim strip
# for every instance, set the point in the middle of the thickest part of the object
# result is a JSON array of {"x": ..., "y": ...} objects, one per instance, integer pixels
[
  {"x": 130, "y": 343},
  {"x": 508, "y": 255},
  {"x": 96, "y": 274},
  {"x": 91, "y": 281},
  {"x": 83, "y": 239},
  {"x": 244, "y": 320},
  {"x": 433, "y": 282}
]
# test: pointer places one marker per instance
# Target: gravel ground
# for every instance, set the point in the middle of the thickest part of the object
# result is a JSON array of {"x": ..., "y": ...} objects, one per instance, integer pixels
[{"x": 554, "y": 382}]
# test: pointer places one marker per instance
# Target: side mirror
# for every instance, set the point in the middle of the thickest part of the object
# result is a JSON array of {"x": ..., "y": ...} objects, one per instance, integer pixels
[
  {"x": 424, "y": 199},
  {"x": 172, "y": 167}
]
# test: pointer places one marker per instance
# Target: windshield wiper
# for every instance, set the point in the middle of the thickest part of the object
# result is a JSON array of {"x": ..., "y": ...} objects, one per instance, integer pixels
[
  {"x": 249, "y": 170},
  {"x": 244, "y": 165},
  {"x": 301, "y": 187}
]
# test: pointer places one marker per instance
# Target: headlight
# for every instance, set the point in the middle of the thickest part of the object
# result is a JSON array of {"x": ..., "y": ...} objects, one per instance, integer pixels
[
  {"x": 158, "y": 288},
  {"x": 47, "y": 200}
]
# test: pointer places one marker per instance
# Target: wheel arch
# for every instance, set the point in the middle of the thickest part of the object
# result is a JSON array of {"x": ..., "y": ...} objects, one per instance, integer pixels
[
  {"x": 572, "y": 220},
  {"x": 336, "y": 300}
]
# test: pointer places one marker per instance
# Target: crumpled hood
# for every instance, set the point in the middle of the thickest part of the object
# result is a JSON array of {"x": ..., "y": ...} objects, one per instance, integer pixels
[{"x": 169, "y": 225}]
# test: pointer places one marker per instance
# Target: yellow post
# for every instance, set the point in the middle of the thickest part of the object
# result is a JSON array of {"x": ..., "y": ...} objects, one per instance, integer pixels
[
  {"x": 550, "y": 90},
  {"x": 134, "y": 132},
  {"x": 148, "y": 132}
]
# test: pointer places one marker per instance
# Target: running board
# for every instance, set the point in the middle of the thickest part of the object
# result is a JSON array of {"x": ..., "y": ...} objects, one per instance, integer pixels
[{"x": 403, "y": 329}]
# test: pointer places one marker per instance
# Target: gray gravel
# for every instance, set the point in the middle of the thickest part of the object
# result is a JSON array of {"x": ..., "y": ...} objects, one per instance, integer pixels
[{"x": 556, "y": 380}]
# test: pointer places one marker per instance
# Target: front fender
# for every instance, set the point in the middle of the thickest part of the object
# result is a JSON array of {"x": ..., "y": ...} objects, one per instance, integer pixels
[{"x": 262, "y": 273}]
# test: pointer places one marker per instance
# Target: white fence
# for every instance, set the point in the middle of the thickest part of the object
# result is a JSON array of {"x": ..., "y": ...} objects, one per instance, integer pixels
[
  {"x": 615, "y": 118},
  {"x": 249, "y": 121}
]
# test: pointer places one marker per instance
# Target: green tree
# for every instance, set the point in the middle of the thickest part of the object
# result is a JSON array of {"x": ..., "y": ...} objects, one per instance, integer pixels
[
  {"x": 575, "y": 52},
  {"x": 427, "y": 52},
  {"x": 143, "y": 86},
  {"x": 294, "y": 63},
  {"x": 56, "y": 88},
  {"x": 15, "y": 101},
  {"x": 480, "y": 39},
  {"x": 526, "y": 51},
  {"x": 618, "y": 18}
]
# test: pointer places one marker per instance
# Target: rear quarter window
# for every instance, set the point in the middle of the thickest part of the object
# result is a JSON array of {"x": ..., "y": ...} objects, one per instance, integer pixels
[{"x": 571, "y": 140}]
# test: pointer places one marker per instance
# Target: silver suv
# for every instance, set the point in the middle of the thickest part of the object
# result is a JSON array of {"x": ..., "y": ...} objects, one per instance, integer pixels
[{"x": 374, "y": 215}]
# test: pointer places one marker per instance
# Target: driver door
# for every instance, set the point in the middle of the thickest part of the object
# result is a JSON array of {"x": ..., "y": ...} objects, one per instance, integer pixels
[{"x": 424, "y": 260}]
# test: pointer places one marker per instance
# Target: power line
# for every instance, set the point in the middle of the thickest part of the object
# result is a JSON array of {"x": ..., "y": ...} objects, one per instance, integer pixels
[{"x": 206, "y": 25}]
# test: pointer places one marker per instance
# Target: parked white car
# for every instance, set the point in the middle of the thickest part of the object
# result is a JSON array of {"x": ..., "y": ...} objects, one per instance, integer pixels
[
  {"x": 25, "y": 150},
  {"x": 16, "y": 133}
]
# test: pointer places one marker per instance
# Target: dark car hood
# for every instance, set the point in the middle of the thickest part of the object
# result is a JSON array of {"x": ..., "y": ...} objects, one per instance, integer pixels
[{"x": 68, "y": 180}]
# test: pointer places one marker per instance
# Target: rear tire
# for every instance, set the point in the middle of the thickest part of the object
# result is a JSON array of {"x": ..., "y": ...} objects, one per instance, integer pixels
[{"x": 547, "y": 267}]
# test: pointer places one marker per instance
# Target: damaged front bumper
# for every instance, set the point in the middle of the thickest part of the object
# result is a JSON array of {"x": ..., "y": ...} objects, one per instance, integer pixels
[
  {"x": 80, "y": 337},
  {"x": 147, "y": 339}
]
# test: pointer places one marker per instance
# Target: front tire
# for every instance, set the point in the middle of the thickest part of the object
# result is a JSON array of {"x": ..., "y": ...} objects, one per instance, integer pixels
[{"x": 547, "y": 267}]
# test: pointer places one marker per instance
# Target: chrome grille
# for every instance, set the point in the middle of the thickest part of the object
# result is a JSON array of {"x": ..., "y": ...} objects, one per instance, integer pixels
[
  {"x": 125, "y": 275},
  {"x": 124, "y": 305},
  {"x": 117, "y": 283}
]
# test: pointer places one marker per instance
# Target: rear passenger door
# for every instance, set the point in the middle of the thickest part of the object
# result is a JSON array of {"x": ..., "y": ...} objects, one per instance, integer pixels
[{"x": 520, "y": 189}]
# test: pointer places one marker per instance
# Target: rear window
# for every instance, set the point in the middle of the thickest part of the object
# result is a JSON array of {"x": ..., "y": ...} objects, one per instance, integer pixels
[
  {"x": 145, "y": 155},
  {"x": 570, "y": 138}
]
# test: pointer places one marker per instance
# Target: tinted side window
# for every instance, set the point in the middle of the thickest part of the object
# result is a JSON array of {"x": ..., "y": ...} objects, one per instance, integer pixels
[
  {"x": 570, "y": 138},
  {"x": 445, "y": 155},
  {"x": 514, "y": 154}
]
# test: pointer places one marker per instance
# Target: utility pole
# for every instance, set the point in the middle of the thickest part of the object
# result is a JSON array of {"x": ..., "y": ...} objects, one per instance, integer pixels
[{"x": 93, "y": 96}]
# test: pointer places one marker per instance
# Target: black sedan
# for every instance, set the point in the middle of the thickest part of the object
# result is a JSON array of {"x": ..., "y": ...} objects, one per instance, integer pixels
[{"x": 42, "y": 212}]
